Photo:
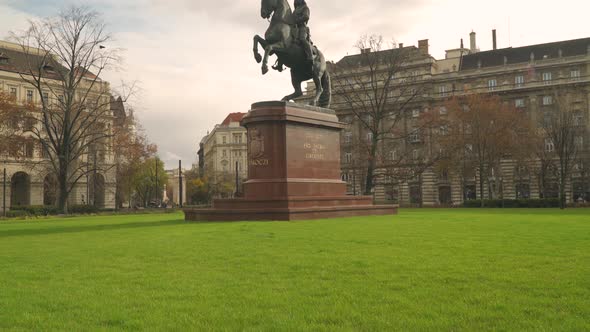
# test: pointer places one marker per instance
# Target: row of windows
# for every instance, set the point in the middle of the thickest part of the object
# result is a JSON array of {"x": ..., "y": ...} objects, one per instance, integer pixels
[
  {"x": 236, "y": 153},
  {"x": 236, "y": 139},
  {"x": 550, "y": 146},
  {"x": 392, "y": 155},
  {"x": 519, "y": 81},
  {"x": 30, "y": 95}
]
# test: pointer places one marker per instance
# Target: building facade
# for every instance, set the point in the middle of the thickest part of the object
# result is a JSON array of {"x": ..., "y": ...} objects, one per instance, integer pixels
[
  {"x": 28, "y": 179},
  {"x": 529, "y": 78},
  {"x": 224, "y": 156},
  {"x": 173, "y": 187}
]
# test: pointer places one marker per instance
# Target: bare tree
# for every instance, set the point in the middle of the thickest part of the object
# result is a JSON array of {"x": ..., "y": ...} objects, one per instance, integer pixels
[
  {"x": 66, "y": 56},
  {"x": 564, "y": 137},
  {"x": 378, "y": 88}
]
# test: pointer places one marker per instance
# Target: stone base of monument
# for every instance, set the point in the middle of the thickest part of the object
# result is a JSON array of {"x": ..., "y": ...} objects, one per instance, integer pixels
[{"x": 293, "y": 170}]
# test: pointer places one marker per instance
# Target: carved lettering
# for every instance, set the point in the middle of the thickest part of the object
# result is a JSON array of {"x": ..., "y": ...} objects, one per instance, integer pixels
[
  {"x": 315, "y": 156},
  {"x": 314, "y": 149},
  {"x": 259, "y": 162}
]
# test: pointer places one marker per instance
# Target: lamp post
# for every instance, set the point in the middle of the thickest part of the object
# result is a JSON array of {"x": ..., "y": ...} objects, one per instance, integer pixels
[
  {"x": 180, "y": 182},
  {"x": 4, "y": 194},
  {"x": 157, "y": 187}
]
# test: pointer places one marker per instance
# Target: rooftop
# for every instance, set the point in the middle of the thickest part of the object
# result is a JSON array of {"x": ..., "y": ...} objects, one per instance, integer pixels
[{"x": 507, "y": 56}]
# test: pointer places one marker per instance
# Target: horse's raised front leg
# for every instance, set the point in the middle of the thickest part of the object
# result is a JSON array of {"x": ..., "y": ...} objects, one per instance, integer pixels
[
  {"x": 268, "y": 50},
  {"x": 261, "y": 41},
  {"x": 297, "y": 85}
]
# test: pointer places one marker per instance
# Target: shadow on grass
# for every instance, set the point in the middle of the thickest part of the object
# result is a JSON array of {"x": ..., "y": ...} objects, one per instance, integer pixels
[{"x": 92, "y": 228}]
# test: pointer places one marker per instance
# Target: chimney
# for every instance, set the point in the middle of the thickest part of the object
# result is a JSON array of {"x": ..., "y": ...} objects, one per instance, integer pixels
[
  {"x": 423, "y": 46},
  {"x": 472, "y": 45},
  {"x": 494, "y": 39},
  {"x": 400, "y": 45},
  {"x": 462, "y": 46},
  {"x": 365, "y": 51}
]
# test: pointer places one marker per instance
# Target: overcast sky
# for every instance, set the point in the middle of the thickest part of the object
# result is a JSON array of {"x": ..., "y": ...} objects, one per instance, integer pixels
[{"x": 193, "y": 58}]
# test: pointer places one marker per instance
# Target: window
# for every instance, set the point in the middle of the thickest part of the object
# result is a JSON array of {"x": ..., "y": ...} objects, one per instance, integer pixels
[
  {"x": 443, "y": 91},
  {"x": 519, "y": 80},
  {"x": 29, "y": 96},
  {"x": 393, "y": 155},
  {"x": 348, "y": 157},
  {"x": 578, "y": 118},
  {"x": 237, "y": 138},
  {"x": 444, "y": 130},
  {"x": 46, "y": 97},
  {"x": 547, "y": 100},
  {"x": 13, "y": 92},
  {"x": 346, "y": 119},
  {"x": 60, "y": 98},
  {"x": 579, "y": 141},
  {"x": 549, "y": 146},
  {"x": 575, "y": 74},
  {"x": 519, "y": 103},
  {"x": 224, "y": 152},
  {"x": 415, "y": 113},
  {"x": 443, "y": 110},
  {"x": 29, "y": 124},
  {"x": 44, "y": 152},
  {"x": 369, "y": 137},
  {"x": 547, "y": 78},
  {"x": 492, "y": 84},
  {"x": 469, "y": 148},
  {"x": 416, "y": 154},
  {"x": 223, "y": 140},
  {"x": 29, "y": 149},
  {"x": 347, "y": 137},
  {"x": 415, "y": 136}
]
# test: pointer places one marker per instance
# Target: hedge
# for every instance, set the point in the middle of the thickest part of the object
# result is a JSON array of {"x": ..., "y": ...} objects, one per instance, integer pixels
[
  {"x": 514, "y": 203},
  {"x": 36, "y": 210}
]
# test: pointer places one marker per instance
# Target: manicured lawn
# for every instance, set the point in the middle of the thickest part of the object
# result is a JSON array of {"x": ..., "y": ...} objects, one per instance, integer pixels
[{"x": 422, "y": 270}]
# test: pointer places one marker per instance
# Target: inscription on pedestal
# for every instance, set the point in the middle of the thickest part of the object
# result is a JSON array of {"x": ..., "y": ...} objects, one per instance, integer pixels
[
  {"x": 259, "y": 162},
  {"x": 314, "y": 149}
]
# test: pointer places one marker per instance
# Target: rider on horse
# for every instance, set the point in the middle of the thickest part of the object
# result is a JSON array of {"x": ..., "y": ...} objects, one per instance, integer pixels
[
  {"x": 301, "y": 16},
  {"x": 303, "y": 37}
]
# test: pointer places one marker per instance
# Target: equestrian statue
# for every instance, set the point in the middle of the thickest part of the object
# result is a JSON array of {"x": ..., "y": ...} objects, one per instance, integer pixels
[{"x": 288, "y": 37}]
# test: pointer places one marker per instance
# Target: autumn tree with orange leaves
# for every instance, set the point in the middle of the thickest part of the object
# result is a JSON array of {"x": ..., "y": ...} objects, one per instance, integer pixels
[{"x": 481, "y": 130}]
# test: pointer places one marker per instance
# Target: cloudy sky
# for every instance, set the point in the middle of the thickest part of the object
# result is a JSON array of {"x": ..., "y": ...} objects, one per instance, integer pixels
[{"x": 194, "y": 62}]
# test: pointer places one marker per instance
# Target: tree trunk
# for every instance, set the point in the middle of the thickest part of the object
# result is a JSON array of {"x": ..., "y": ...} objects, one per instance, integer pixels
[
  {"x": 481, "y": 182},
  {"x": 371, "y": 168},
  {"x": 63, "y": 192},
  {"x": 562, "y": 201}
]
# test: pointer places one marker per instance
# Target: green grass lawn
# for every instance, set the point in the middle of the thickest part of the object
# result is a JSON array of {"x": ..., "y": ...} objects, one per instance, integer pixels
[{"x": 422, "y": 270}]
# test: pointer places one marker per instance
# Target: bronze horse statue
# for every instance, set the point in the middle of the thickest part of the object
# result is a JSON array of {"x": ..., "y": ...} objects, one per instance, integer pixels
[{"x": 280, "y": 40}]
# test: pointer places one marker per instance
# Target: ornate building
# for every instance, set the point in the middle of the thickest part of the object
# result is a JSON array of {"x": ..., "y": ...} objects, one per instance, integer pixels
[
  {"x": 528, "y": 77},
  {"x": 224, "y": 155},
  {"x": 28, "y": 181}
]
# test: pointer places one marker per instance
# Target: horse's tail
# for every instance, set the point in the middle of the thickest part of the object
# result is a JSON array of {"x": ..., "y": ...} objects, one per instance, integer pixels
[{"x": 326, "y": 97}]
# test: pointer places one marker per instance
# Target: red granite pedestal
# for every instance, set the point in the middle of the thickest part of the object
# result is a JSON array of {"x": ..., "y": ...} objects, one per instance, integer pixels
[{"x": 293, "y": 170}]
